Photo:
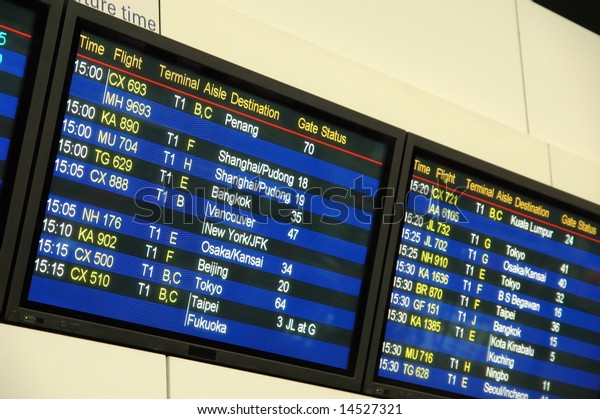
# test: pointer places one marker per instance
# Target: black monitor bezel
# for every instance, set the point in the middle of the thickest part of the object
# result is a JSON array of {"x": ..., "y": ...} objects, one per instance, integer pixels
[
  {"x": 19, "y": 312},
  {"x": 415, "y": 144},
  {"x": 28, "y": 123}
]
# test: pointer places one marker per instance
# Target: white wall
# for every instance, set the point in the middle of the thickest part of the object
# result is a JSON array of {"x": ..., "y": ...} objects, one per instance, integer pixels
[{"x": 506, "y": 81}]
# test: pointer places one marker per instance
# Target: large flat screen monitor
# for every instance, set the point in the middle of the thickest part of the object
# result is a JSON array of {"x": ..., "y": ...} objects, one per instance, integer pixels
[
  {"x": 189, "y": 206},
  {"x": 491, "y": 287},
  {"x": 28, "y": 31}
]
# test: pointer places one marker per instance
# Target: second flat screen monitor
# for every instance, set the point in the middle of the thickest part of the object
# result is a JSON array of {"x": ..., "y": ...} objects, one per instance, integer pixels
[
  {"x": 190, "y": 204},
  {"x": 493, "y": 289}
]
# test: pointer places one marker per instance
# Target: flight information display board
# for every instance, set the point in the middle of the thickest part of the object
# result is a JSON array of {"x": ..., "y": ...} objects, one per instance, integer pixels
[
  {"x": 188, "y": 202},
  {"x": 493, "y": 288},
  {"x": 28, "y": 31},
  {"x": 17, "y": 24},
  {"x": 22, "y": 27}
]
